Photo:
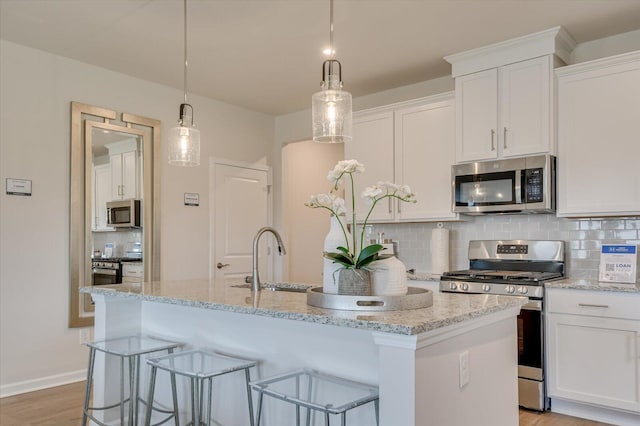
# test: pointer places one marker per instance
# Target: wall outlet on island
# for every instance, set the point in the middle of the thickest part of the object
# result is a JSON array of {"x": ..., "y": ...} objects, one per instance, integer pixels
[{"x": 464, "y": 368}]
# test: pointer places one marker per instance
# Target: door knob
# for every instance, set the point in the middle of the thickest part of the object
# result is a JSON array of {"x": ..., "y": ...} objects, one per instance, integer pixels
[{"x": 221, "y": 265}]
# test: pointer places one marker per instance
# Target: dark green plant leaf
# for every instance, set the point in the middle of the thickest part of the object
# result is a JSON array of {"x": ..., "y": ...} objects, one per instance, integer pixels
[
  {"x": 368, "y": 251},
  {"x": 344, "y": 250},
  {"x": 340, "y": 258}
]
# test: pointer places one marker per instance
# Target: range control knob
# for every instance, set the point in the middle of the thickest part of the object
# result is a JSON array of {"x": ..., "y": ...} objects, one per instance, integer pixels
[
  {"x": 464, "y": 286},
  {"x": 486, "y": 287},
  {"x": 523, "y": 290},
  {"x": 453, "y": 286},
  {"x": 510, "y": 289}
]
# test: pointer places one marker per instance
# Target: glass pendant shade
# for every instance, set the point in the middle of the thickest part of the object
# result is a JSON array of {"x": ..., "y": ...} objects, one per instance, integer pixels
[
  {"x": 331, "y": 112},
  {"x": 184, "y": 146},
  {"x": 184, "y": 140}
]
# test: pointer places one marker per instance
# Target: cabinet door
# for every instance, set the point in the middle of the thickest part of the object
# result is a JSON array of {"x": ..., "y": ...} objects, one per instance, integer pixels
[
  {"x": 477, "y": 116},
  {"x": 525, "y": 107},
  {"x": 594, "y": 360},
  {"x": 129, "y": 175},
  {"x": 598, "y": 138},
  {"x": 102, "y": 194},
  {"x": 116, "y": 176},
  {"x": 372, "y": 145},
  {"x": 424, "y": 152}
]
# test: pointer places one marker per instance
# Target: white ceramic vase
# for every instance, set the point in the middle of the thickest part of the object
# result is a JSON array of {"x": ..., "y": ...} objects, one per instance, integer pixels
[
  {"x": 334, "y": 239},
  {"x": 388, "y": 277}
]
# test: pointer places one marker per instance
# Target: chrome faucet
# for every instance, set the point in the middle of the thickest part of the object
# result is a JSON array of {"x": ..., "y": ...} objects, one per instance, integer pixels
[{"x": 255, "y": 284}]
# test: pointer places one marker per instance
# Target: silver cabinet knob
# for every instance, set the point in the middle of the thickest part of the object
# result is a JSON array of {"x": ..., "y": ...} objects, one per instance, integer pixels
[{"x": 221, "y": 265}]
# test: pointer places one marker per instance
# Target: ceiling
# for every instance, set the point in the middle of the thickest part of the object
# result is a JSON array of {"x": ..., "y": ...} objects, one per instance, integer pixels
[{"x": 265, "y": 55}]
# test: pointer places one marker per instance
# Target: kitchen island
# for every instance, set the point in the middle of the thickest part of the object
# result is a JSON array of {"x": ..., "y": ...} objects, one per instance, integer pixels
[{"x": 453, "y": 363}]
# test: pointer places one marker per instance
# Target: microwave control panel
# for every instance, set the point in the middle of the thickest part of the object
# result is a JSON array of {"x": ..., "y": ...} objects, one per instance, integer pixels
[{"x": 534, "y": 185}]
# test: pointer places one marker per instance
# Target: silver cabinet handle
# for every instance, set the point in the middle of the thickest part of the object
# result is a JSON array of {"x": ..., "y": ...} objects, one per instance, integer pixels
[
  {"x": 589, "y": 305},
  {"x": 504, "y": 138},
  {"x": 493, "y": 139},
  {"x": 399, "y": 207},
  {"x": 221, "y": 265}
]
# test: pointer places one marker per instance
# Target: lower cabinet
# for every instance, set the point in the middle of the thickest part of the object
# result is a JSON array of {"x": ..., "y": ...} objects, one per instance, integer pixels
[{"x": 594, "y": 348}]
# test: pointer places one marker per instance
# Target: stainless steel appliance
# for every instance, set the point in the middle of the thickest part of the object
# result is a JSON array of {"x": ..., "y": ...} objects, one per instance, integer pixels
[
  {"x": 124, "y": 214},
  {"x": 515, "y": 185},
  {"x": 106, "y": 271},
  {"x": 516, "y": 268}
]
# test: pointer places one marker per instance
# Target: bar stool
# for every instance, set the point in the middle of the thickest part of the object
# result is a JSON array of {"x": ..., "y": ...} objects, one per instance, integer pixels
[
  {"x": 200, "y": 366},
  {"x": 324, "y": 393},
  {"x": 130, "y": 348}
]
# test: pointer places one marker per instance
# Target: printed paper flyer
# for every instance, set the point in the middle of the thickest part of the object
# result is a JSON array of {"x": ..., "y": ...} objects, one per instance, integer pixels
[{"x": 618, "y": 263}]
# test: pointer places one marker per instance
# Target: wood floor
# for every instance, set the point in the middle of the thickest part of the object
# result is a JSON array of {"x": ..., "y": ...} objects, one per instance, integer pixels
[{"x": 62, "y": 406}]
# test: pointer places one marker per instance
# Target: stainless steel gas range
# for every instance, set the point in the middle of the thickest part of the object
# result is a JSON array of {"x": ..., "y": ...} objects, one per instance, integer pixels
[{"x": 516, "y": 268}]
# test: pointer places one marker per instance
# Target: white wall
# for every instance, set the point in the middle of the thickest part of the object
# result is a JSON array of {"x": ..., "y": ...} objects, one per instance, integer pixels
[
  {"x": 36, "y": 347},
  {"x": 305, "y": 166}
]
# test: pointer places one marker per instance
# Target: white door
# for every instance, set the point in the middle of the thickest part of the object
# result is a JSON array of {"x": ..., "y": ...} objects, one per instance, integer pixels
[{"x": 241, "y": 207}]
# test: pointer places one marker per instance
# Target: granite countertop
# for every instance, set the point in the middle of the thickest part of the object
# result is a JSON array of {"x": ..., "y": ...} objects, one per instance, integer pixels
[
  {"x": 447, "y": 309},
  {"x": 576, "y": 284}
]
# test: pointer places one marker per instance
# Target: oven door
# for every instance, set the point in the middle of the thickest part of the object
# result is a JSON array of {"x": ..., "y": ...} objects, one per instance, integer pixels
[
  {"x": 531, "y": 388},
  {"x": 102, "y": 276}
]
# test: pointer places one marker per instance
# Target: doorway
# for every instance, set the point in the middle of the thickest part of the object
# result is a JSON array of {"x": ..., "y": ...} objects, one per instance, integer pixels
[{"x": 305, "y": 166}]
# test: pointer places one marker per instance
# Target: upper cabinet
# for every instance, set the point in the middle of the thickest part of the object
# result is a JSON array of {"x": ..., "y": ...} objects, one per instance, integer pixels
[
  {"x": 504, "y": 96},
  {"x": 410, "y": 143},
  {"x": 101, "y": 194},
  {"x": 599, "y": 137},
  {"x": 125, "y": 170}
]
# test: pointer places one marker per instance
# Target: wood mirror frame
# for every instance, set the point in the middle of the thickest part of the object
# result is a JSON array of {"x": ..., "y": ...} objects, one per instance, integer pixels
[{"x": 83, "y": 118}]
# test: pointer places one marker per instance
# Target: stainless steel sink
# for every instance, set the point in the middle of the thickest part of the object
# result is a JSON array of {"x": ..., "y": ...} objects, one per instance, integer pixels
[{"x": 292, "y": 288}]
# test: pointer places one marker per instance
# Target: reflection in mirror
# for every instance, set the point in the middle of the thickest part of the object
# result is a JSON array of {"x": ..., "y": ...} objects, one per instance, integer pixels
[{"x": 114, "y": 229}]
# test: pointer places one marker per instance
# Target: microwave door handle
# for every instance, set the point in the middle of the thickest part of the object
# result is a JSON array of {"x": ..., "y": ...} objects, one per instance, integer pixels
[{"x": 518, "y": 186}]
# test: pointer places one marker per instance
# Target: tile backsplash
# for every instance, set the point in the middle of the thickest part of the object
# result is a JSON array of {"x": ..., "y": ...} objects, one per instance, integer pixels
[
  {"x": 122, "y": 239},
  {"x": 583, "y": 237}
]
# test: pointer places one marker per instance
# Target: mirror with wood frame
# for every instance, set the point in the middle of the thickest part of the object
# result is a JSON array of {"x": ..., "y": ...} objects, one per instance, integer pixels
[{"x": 114, "y": 217}]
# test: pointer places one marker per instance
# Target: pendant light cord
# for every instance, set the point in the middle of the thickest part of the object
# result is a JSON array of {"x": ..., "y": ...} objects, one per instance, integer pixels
[
  {"x": 185, "y": 51},
  {"x": 331, "y": 51}
]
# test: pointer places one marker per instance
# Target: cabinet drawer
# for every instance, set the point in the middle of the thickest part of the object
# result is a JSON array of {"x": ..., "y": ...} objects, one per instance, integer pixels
[
  {"x": 594, "y": 303},
  {"x": 133, "y": 270}
]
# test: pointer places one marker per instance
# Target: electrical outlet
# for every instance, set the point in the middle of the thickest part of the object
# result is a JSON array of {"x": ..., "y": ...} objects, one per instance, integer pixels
[
  {"x": 464, "y": 368},
  {"x": 86, "y": 335}
]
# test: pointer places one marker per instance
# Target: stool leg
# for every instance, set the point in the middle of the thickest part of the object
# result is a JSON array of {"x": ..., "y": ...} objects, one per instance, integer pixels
[
  {"x": 122, "y": 391},
  {"x": 260, "y": 395},
  {"x": 247, "y": 376},
  {"x": 208, "y": 399},
  {"x": 309, "y": 395},
  {"x": 376, "y": 403},
  {"x": 343, "y": 421},
  {"x": 174, "y": 393},
  {"x": 87, "y": 388},
  {"x": 297, "y": 396},
  {"x": 152, "y": 386},
  {"x": 326, "y": 418}
]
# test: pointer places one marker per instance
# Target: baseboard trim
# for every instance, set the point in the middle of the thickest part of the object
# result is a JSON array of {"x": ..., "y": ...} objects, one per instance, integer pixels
[
  {"x": 600, "y": 414},
  {"x": 42, "y": 383}
]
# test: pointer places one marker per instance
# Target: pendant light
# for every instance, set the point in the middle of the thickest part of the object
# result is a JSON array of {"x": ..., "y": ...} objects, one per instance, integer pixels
[
  {"x": 331, "y": 106},
  {"x": 184, "y": 140}
]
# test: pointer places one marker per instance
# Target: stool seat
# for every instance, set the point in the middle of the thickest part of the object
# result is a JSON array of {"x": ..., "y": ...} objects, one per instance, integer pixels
[
  {"x": 130, "y": 348},
  {"x": 200, "y": 366},
  {"x": 316, "y": 391}
]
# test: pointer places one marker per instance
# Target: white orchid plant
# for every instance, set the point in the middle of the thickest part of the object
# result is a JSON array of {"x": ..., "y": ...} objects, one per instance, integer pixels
[{"x": 348, "y": 256}]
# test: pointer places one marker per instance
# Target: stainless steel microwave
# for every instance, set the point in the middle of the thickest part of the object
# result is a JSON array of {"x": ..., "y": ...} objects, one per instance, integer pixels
[
  {"x": 124, "y": 214},
  {"x": 515, "y": 185}
]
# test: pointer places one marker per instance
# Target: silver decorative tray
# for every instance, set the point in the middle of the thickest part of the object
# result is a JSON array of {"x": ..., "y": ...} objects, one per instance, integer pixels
[{"x": 415, "y": 298}]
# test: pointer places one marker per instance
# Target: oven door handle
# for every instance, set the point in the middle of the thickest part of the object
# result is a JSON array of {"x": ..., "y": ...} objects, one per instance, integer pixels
[{"x": 104, "y": 271}]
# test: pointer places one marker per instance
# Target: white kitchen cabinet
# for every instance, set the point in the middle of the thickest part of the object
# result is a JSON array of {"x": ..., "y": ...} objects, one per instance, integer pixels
[
  {"x": 410, "y": 143},
  {"x": 132, "y": 272},
  {"x": 504, "y": 112},
  {"x": 594, "y": 348},
  {"x": 599, "y": 137},
  {"x": 504, "y": 96},
  {"x": 125, "y": 173},
  {"x": 101, "y": 194}
]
